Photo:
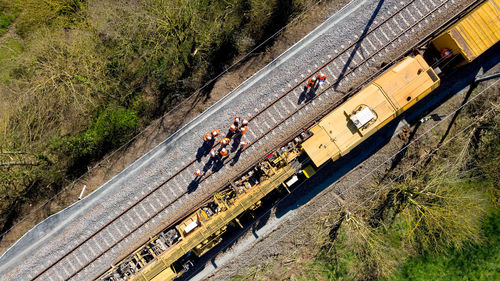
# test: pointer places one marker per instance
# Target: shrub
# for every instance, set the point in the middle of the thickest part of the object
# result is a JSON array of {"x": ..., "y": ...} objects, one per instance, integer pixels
[
  {"x": 111, "y": 128},
  {"x": 35, "y": 13}
]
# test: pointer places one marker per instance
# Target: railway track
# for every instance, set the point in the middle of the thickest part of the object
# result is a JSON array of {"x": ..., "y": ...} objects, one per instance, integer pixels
[{"x": 283, "y": 110}]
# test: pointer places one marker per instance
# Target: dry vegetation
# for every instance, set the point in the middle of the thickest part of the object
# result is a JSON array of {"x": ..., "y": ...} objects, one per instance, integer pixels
[
  {"x": 79, "y": 78},
  {"x": 437, "y": 208}
]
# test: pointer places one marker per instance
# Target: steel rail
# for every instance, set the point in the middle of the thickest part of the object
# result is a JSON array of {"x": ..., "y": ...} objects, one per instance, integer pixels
[
  {"x": 342, "y": 99},
  {"x": 285, "y": 94}
]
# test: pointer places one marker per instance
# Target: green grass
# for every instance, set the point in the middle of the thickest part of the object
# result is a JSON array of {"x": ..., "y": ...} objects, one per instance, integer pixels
[
  {"x": 10, "y": 48},
  {"x": 479, "y": 261},
  {"x": 8, "y": 14},
  {"x": 5, "y": 21}
]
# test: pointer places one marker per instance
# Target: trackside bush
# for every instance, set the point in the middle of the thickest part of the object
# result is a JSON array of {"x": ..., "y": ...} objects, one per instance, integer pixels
[{"x": 111, "y": 128}]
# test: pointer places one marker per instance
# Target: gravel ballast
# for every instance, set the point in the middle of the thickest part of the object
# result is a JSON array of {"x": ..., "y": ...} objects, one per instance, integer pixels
[{"x": 57, "y": 235}]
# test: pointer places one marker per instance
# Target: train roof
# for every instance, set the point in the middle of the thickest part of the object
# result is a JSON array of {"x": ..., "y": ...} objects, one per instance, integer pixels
[
  {"x": 474, "y": 33},
  {"x": 370, "y": 109}
]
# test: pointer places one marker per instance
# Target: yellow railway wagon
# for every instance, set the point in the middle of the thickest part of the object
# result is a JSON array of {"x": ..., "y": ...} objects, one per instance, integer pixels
[
  {"x": 161, "y": 268},
  {"x": 370, "y": 109},
  {"x": 473, "y": 34},
  {"x": 335, "y": 135}
]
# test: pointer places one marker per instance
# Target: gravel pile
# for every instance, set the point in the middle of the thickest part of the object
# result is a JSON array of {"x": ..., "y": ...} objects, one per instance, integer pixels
[{"x": 57, "y": 235}]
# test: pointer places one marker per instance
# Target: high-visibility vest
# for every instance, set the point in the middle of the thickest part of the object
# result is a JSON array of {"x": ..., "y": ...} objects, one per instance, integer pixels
[
  {"x": 446, "y": 53},
  {"x": 224, "y": 141},
  {"x": 232, "y": 128},
  {"x": 311, "y": 82},
  {"x": 215, "y": 132},
  {"x": 243, "y": 144},
  {"x": 243, "y": 130},
  {"x": 207, "y": 137},
  {"x": 224, "y": 152},
  {"x": 321, "y": 77}
]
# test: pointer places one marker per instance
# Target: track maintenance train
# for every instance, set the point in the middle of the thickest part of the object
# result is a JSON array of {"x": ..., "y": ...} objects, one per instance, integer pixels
[{"x": 172, "y": 252}]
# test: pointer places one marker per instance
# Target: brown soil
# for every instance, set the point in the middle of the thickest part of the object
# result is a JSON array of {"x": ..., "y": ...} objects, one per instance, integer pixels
[{"x": 161, "y": 128}]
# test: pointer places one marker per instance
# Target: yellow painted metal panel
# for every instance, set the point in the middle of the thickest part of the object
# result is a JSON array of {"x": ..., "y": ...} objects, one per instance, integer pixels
[
  {"x": 309, "y": 171},
  {"x": 388, "y": 96},
  {"x": 243, "y": 203},
  {"x": 167, "y": 274},
  {"x": 475, "y": 33},
  {"x": 343, "y": 132},
  {"x": 320, "y": 147},
  {"x": 407, "y": 82}
]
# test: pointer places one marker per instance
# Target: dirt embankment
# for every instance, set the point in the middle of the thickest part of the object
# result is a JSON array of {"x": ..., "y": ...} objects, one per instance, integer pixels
[{"x": 115, "y": 162}]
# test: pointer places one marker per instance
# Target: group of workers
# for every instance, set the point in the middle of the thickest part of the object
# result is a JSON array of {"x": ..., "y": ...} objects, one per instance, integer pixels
[
  {"x": 236, "y": 131},
  {"x": 239, "y": 127},
  {"x": 320, "y": 78}
]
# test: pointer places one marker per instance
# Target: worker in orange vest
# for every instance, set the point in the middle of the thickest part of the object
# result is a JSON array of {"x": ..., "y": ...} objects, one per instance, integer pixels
[
  {"x": 198, "y": 173},
  {"x": 311, "y": 82},
  {"x": 224, "y": 152},
  {"x": 244, "y": 122},
  {"x": 213, "y": 153},
  {"x": 207, "y": 137},
  {"x": 224, "y": 142},
  {"x": 446, "y": 53},
  {"x": 243, "y": 130},
  {"x": 215, "y": 133},
  {"x": 233, "y": 128},
  {"x": 236, "y": 121},
  {"x": 321, "y": 77},
  {"x": 243, "y": 144}
]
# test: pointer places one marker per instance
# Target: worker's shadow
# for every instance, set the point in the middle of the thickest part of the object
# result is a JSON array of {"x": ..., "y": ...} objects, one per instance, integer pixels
[
  {"x": 236, "y": 157},
  {"x": 229, "y": 134},
  {"x": 307, "y": 94},
  {"x": 236, "y": 142},
  {"x": 204, "y": 149},
  {"x": 302, "y": 96},
  {"x": 218, "y": 164},
  {"x": 209, "y": 164},
  {"x": 193, "y": 185}
]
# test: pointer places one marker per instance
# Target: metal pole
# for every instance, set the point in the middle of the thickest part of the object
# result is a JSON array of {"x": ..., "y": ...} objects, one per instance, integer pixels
[{"x": 81, "y": 193}]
